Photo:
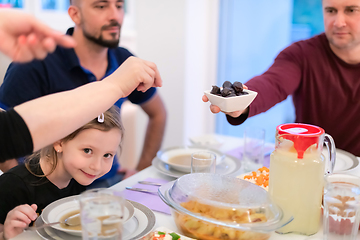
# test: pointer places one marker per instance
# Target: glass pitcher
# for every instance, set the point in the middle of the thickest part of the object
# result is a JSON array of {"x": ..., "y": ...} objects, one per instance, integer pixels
[{"x": 297, "y": 169}]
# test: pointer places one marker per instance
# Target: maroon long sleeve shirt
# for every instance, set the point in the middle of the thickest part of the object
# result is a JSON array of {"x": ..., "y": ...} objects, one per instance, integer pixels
[{"x": 325, "y": 90}]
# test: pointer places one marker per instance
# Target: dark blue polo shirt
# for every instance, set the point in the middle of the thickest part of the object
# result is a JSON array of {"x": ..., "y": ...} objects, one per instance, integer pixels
[{"x": 60, "y": 71}]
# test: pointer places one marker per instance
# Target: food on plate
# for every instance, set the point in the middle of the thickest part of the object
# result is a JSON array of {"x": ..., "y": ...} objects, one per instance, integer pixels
[
  {"x": 163, "y": 233},
  {"x": 158, "y": 235},
  {"x": 229, "y": 90},
  {"x": 74, "y": 220},
  {"x": 196, "y": 228},
  {"x": 183, "y": 159},
  {"x": 259, "y": 177},
  {"x": 107, "y": 222}
]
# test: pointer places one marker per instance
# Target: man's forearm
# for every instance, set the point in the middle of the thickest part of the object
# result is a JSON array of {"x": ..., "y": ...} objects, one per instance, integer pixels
[{"x": 152, "y": 143}]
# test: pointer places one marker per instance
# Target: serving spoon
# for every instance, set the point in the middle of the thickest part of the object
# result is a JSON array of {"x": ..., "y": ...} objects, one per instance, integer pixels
[{"x": 71, "y": 221}]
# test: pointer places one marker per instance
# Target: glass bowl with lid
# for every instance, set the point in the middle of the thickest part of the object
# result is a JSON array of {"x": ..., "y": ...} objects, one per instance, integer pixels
[{"x": 213, "y": 206}]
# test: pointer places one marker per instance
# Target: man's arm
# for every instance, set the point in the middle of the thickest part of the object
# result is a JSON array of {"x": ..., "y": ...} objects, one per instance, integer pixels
[
  {"x": 273, "y": 86},
  {"x": 156, "y": 111}
]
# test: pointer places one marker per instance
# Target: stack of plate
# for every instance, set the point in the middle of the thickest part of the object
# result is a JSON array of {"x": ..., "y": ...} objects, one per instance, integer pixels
[
  {"x": 225, "y": 164},
  {"x": 138, "y": 220}
]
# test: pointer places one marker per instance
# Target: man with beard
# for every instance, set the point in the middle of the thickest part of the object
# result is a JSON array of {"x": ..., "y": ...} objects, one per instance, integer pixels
[
  {"x": 96, "y": 55},
  {"x": 323, "y": 76}
]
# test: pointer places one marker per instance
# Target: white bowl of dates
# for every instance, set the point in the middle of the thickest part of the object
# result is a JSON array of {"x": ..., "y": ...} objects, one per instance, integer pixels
[
  {"x": 230, "y": 97},
  {"x": 212, "y": 206}
]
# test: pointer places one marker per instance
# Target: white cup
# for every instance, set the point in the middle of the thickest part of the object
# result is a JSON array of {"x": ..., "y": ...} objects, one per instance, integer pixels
[
  {"x": 253, "y": 152},
  {"x": 203, "y": 162},
  {"x": 102, "y": 214}
]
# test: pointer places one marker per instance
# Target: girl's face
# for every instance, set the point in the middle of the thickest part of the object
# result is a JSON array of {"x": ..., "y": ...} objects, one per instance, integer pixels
[{"x": 89, "y": 155}]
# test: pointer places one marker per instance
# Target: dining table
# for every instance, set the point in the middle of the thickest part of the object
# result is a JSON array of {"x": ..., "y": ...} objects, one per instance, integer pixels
[{"x": 228, "y": 144}]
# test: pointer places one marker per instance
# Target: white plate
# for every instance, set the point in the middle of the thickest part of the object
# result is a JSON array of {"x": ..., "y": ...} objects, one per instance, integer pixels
[
  {"x": 166, "y": 154},
  {"x": 228, "y": 166},
  {"x": 56, "y": 210},
  {"x": 137, "y": 227},
  {"x": 345, "y": 161}
]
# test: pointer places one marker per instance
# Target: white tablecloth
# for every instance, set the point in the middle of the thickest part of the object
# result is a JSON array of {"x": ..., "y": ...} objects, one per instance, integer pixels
[{"x": 163, "y": 220}]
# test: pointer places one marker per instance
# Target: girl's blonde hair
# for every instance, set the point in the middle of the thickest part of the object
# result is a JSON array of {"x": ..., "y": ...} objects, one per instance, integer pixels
[{"x": 111, "y": 120}]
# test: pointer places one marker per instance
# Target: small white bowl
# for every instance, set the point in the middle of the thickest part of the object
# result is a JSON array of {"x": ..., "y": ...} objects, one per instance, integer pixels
[
  {"x": 207, "y": 140},
  {"x": 231, "y": 104}
]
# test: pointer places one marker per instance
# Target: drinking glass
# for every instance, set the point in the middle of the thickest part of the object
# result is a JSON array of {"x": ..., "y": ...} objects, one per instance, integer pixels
[
  {"x": 253, "y": 155},
  {"x": 341, "y": 206},
  {"x": 102, "y": 213},
  {"x": 203, "y": 162}
]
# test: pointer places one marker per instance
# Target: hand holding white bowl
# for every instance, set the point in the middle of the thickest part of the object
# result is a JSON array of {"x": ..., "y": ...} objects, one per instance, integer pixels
[{"x": 232, "y": 106}]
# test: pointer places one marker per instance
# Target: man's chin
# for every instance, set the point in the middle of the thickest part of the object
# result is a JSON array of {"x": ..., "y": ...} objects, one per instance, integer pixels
[
  {"x": 340, "y": 43},
  {"x": 113, "y": 43},
  {"x": 109, "y": 44}
]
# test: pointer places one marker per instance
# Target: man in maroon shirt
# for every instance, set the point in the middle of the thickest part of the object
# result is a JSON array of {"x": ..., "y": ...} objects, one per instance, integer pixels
[{"x": 323, "y": 76}]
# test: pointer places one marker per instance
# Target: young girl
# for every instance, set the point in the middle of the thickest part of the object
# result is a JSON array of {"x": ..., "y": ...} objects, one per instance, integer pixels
[{"x": 57, "y": 171}]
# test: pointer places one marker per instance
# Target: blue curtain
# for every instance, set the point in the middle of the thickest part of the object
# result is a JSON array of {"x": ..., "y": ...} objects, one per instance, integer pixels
[{"x": 251, "y": 35}]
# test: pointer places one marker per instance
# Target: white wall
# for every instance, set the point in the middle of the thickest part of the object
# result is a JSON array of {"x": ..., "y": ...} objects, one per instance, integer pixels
[{"x": 181, "y": 38}]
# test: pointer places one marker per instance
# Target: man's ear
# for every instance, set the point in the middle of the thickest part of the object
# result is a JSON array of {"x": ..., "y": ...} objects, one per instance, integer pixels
[{"x": 75, "y": 15}]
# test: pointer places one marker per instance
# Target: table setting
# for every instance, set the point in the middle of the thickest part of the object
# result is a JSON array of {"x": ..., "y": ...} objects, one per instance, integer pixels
[{"x": 151, "y": 212}]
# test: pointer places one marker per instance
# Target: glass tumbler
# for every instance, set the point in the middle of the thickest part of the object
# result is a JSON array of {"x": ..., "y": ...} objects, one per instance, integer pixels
[
  {"x": 101, "y": 213},
  {"x": 253, "y": 154},
  {"x": 203, "y": 162},
  {"x": 341, "y": 207}
]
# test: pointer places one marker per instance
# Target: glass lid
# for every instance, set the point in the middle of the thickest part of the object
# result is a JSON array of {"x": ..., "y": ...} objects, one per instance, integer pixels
[{"x": 223, "y": 200}]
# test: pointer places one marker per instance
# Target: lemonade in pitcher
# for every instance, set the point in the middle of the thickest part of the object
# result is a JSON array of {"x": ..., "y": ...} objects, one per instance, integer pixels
[{"x": 297, "y": 175}]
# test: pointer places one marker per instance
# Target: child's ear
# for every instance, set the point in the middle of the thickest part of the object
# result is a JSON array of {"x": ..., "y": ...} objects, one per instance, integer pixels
[{"x": 58, "y": 146}]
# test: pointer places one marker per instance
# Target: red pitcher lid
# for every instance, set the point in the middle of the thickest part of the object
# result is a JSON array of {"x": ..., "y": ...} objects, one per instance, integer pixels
[{"x": 303, "y": 135}]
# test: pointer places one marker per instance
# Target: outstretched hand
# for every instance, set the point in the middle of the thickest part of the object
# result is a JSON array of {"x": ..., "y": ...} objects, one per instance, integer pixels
[
  {"x": 136, "y": 73},
  {"x": 18, "y": 219},
  {"x": 215, "y": 109},
  {"x": 24, "y": 38}
]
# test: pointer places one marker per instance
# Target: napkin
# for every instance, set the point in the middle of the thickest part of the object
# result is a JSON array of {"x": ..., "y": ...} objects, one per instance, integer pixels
[
  {"x": 150, "y": 200},
  {"x": 238, "y": 153}
]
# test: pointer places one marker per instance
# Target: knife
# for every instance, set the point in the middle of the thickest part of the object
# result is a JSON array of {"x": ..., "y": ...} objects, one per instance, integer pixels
[
  {"x": 150, "y": 183},
  {"x": 141, "y": 190}
]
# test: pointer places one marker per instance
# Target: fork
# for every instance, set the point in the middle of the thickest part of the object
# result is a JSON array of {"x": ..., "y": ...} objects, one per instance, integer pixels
[
  {"x": 149, "y": 183},
  {"x": 141, "y": 190}
]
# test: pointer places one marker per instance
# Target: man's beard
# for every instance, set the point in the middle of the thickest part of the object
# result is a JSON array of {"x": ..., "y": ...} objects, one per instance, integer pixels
[{"x": 100, "y": 41}]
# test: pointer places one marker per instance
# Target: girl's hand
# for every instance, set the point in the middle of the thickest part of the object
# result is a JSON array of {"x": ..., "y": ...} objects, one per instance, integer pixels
[
  {"x": 18, "y": 219},
  {"x": 135, "y": 73}
]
